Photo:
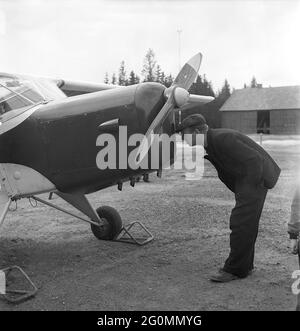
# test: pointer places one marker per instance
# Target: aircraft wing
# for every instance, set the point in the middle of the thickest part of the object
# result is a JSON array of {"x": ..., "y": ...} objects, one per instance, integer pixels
[
  {"x": 71, "y": 88},
  {"x": 68, "y": 87}
]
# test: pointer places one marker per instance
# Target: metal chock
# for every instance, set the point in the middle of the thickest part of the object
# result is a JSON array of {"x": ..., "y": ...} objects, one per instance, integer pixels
[
  {"x": 16, "y": 296},
  {"x": 126, "y": 236}
]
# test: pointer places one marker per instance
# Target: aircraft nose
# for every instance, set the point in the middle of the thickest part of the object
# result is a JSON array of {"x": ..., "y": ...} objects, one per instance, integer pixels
[{"x": 149, "y": 99}]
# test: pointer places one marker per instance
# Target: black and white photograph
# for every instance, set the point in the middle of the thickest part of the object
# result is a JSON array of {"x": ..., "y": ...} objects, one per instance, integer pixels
[{"x": 149, "y": 158}]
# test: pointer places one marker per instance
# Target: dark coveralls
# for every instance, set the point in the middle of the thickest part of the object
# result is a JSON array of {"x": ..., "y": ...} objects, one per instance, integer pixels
[{"x": 248, "y": 171}]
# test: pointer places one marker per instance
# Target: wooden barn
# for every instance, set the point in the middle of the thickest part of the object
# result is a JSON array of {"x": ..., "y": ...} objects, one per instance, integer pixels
[{"x": 274, "y": 110}]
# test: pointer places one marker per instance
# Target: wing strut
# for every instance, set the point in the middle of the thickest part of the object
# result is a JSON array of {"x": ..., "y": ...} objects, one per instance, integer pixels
[{"x": 5, "y": 202}]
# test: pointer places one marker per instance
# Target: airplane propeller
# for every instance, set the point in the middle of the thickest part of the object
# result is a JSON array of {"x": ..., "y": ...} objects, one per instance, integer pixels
[{"x": 177, "y": 95}]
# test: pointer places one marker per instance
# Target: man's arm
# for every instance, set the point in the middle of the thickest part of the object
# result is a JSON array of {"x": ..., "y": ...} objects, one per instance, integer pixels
[
  {"x": 227, "y": 180},
  {"x": 237, "y": 150}
]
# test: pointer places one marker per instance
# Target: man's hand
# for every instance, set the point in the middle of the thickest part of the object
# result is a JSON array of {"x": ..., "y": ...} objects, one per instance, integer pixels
[{"x": 294, "y": 246}]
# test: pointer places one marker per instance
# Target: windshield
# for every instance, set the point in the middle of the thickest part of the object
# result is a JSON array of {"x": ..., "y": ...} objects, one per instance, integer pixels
[{"x": 18, "y": 93}]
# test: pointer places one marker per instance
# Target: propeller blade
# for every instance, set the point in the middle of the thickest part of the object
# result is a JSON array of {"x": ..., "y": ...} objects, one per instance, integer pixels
[
  {"x": 154, "y": 128},
  {"x": 189, "y": 72},
  {"x": 184, "y": 80},
  {"x": 199, "y": 99}
]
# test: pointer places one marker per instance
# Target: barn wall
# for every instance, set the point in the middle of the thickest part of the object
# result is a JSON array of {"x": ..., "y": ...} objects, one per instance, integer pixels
[
  {"x": 285, "y": 121},
  {"x": 243, "y": 121}
]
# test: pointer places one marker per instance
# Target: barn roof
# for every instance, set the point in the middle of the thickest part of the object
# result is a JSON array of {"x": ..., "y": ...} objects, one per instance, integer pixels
[{"x": 282, "y": 97}]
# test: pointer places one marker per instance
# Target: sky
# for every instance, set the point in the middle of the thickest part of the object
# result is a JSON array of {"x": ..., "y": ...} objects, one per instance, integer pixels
[{"x": 84, "y": 39}]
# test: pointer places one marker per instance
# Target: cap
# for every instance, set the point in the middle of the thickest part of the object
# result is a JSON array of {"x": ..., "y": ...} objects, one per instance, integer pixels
[{"x": 190, "y": 121}]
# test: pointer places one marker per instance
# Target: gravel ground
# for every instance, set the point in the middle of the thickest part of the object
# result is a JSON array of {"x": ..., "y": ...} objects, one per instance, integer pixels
[{"x": 190, "y": 221}]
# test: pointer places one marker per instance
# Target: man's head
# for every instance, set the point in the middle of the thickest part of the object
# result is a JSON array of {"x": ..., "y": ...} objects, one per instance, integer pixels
[{"x": 191, "y": 126}]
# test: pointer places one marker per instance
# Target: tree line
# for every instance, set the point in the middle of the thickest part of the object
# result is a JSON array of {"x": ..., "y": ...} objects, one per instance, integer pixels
[{"x": 153, "y": 72}]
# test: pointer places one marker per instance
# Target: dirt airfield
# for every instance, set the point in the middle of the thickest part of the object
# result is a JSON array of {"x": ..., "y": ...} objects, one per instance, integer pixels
[{"x": 190, "y": 221}]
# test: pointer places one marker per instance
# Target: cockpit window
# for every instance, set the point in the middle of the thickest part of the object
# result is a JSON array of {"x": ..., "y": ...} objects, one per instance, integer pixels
[
  {"x": 18, "y": 93},
  {"x": 11, "y": 96}
]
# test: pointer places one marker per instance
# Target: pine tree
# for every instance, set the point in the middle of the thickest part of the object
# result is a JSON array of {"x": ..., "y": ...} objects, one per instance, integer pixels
[
  {"x": 162, "y": 78},
  {"x": 114, "y": 79},
  {"x": 168, "y": 80},
  {"x": 106, "y": 79},
  {"x": 158, "y": 74},
  {"x": 133, "y": 78},
  {"x": 202, "y": 87},
  {"x": 253, "y": 82},
  {"x": 196, "y": 86},
  {"x": 207, "y": 87},
  {"x": 211, "y": 110},
  {"x": 122, "y": 74},
  {"x": 149, "y": 66},
  {"x": 137, "y": 79},
  {"x": 225, "y": 92}
]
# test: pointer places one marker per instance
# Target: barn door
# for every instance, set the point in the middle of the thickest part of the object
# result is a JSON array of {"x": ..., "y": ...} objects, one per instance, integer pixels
[{"x": 263, "y": 121}]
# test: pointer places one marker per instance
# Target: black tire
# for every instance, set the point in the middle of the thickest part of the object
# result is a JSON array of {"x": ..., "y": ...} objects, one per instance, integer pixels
[{"x": 112, "y": 224}]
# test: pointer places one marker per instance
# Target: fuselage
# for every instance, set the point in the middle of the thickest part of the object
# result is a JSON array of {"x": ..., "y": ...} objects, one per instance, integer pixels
[{"x": 58, "y": 139}]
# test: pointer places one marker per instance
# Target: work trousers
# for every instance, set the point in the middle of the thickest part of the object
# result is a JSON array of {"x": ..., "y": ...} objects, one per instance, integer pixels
[{"x": 244, "y": 223}]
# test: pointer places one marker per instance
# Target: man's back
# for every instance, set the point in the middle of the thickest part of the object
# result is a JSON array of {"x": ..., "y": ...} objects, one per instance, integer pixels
[{"x": 239, "y": 156}]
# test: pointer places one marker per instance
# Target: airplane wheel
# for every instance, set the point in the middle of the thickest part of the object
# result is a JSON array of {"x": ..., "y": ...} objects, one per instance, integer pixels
[{"x": 112, "y": 223}]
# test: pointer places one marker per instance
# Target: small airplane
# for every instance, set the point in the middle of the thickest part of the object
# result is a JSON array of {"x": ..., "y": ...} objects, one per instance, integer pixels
[{"x": 49, "y": 129}]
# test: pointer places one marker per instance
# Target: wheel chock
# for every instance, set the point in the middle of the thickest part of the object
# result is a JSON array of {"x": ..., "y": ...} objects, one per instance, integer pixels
[
  {"x": 17, "y": 295},
  {"x": 126, "y": 236}
]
